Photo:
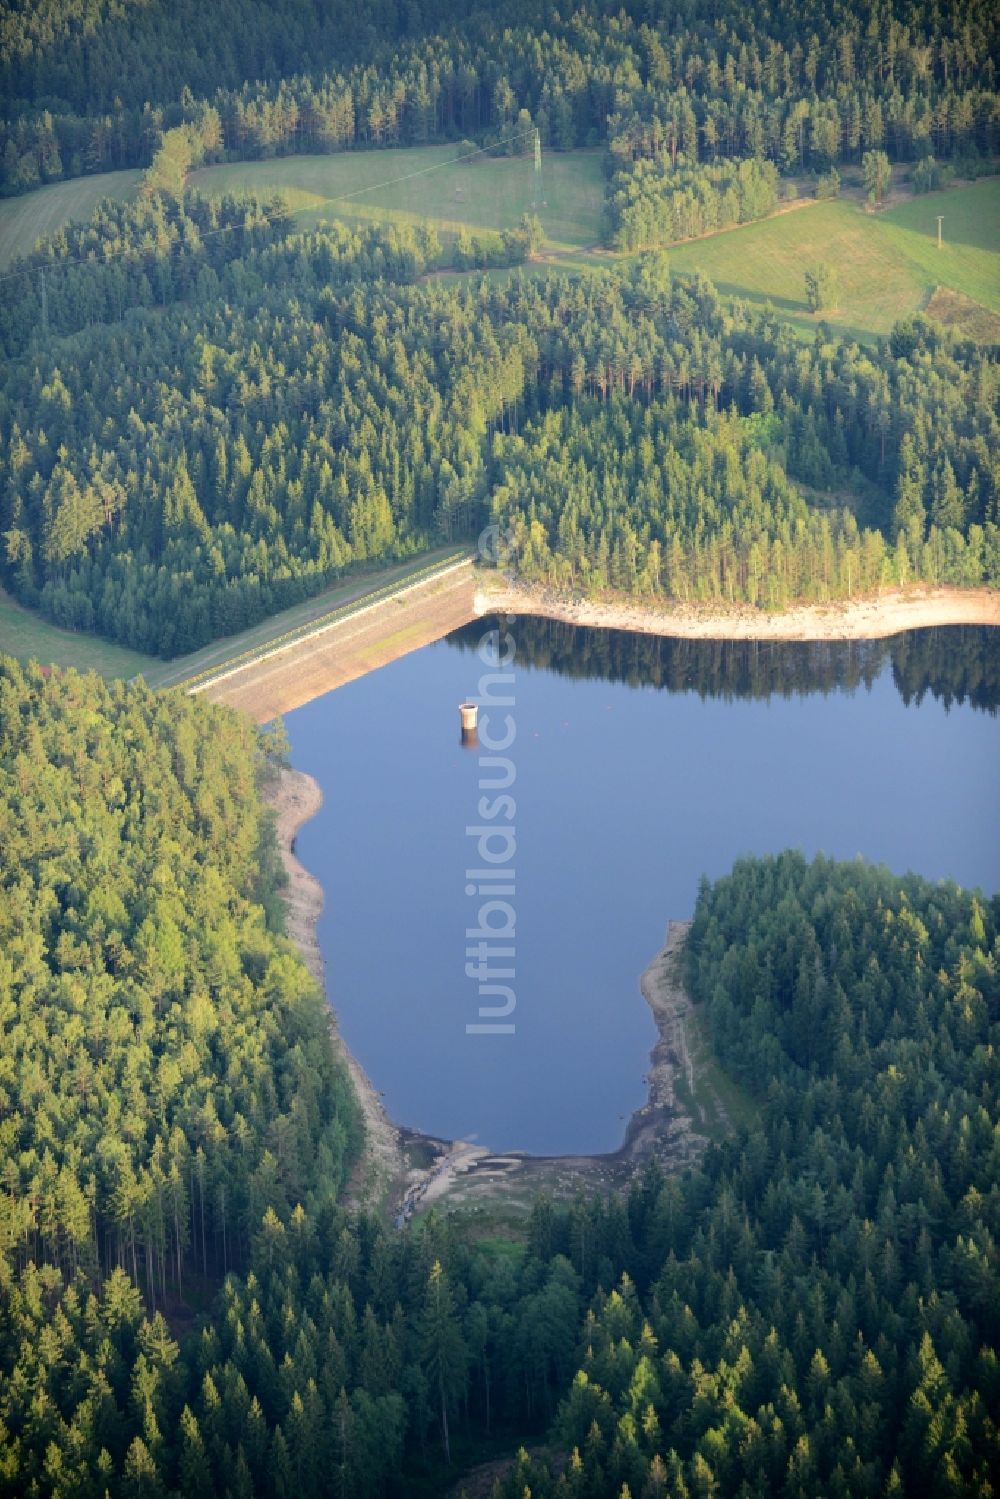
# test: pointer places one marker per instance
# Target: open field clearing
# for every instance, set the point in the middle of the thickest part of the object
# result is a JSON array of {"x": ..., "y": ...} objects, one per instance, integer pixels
[
  {"x": 888, "y": 265},
  {"x": 969, "y": 258},
  {"x": 25, "y": 634},
  {"x": 426, "y": 183},
  {"x": 25, "y": 220},
  {"x": 489, "y": 193}
]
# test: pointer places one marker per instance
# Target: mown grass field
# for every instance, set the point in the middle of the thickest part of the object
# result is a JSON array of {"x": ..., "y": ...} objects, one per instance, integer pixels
[
  {"x": 25, "y": 634},
  {"x": 887, "y": 264},
  {"x": 23, "y": 221},
  {"x": 426, "y": 183},
  {"x": 969, "y": 259}
]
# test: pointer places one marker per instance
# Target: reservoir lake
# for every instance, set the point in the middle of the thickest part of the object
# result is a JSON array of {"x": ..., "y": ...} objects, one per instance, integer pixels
[{"x": 641, "y": 764}]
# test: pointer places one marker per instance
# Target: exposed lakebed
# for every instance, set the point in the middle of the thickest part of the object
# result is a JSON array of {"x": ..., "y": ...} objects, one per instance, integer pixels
[{"x": 641, "y": 763}]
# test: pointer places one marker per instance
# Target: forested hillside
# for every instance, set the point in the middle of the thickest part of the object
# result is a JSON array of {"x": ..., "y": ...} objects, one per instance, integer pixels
[
  {"x": 812, "y": 1310},
  {"x": 816, "y": 1312},
  {"x": 166, "y": 1068},
  {"x": 677, "y": 499},
  {"x": 89, "y": 88},
  {"x": 280, "y": 413},
  {"x": 205, "y": 416},
  {"x": 225, "y": 415}
]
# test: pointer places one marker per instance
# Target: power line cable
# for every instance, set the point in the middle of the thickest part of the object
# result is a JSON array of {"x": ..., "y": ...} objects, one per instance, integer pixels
[{"x": 96, "y": 259}]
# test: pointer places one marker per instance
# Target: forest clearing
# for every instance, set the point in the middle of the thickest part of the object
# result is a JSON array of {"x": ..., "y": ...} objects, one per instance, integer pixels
[
  {"x": 429, "y": 184},
  {"x": 34, "y": 216},
  {"x": 28, "y": 635},
  {"x": 629, "y": 375},
  {"x": 889, "y": 265}
]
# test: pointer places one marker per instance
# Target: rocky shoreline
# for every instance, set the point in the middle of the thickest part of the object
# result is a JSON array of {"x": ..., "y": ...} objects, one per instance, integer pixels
[
  {"x": 295, "y": 797},
  {"x": 383, "y": 1178},
  {"x": 871, "y": 618}
]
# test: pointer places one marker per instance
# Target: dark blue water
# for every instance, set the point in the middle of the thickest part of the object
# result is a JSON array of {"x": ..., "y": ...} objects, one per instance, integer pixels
[{"x": 626, "y": 793}]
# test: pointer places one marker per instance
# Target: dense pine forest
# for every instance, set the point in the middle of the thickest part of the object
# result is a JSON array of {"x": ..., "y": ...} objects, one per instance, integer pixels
[
  {"x": 655, "y": 201},
  {"x": 227, "y": 414},
  {"x": 801, "y": 1327},
  {"x": 166, "y": 1069},
  {"x": 87, "y": 88},
  {"x": 186, "y": 1308},
  {"x": 208, "y": 414},
  {"x": 205, "y": 416}
]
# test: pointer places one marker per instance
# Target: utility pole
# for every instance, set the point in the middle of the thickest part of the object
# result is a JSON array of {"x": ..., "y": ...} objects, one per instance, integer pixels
[
  {"x": 940, "y": 218},
  {"x": 538, "y": 167},
  {"x": 45, "y": 304}
]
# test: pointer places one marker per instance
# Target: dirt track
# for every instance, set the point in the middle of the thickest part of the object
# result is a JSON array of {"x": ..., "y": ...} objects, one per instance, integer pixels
[{"x": 308, "y": 667}]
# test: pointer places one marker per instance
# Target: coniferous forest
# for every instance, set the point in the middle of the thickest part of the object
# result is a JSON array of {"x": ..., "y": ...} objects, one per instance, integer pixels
[
  {"x": 208, "y": 414},
  {"x": 812, "y": 1310},
  {"x": 90, "y": 87},
  {"x": 228, "y": 422}
]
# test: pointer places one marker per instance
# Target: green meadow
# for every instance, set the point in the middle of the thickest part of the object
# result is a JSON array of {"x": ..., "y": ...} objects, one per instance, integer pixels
[
  {"x": 428, "y": 184},
  {"x": 25, "y": 634},
  {"x": 888, "y": 264},
  {"x": 26, "y": 220}
]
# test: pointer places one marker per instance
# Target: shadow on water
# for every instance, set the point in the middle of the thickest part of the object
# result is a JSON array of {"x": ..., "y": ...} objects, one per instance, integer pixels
[{"x": 955, "y": 664}]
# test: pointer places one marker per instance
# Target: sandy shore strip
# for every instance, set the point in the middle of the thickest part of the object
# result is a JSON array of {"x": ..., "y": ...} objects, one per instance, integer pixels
[
  {"x": 862, "y": 619},
  {"x": 663, "y": 990},
  {"x": 294, "y": 798},
  {"x": 382, "y": 1178},
  {"x": 427, "y": 611}
]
